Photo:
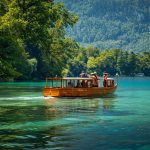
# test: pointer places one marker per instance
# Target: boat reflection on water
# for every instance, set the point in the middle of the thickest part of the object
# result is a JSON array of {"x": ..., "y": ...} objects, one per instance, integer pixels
[
  {"x": 108, "y": 104},
  {"x": 77, "y": 105}
]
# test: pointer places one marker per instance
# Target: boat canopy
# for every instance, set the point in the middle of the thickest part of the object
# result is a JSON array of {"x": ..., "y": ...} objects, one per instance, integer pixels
[{"x": 69, "y": 78}]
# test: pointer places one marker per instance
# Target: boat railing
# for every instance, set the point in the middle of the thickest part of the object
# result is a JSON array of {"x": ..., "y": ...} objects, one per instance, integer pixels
[{"x": 70, "y": 82}]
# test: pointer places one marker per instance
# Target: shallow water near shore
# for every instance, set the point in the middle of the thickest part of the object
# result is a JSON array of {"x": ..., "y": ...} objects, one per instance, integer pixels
[{"x": 116, "y": 122}]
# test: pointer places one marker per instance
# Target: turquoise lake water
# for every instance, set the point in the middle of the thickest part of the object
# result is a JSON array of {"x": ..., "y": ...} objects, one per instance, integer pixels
[{"x": 117, "y": 122}]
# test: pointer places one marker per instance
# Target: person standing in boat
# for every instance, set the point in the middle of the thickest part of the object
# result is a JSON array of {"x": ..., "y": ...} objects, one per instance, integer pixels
[
  {"x": 95, "y": 79},
  {"x": 105, "y": 81}
]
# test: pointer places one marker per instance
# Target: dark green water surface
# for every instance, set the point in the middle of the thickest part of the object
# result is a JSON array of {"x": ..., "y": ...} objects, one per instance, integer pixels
[{"x": 117, "y": 122}]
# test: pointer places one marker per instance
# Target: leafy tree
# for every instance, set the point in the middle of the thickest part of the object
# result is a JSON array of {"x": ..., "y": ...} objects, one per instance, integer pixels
[
  {"x": 122, "y": 63},
  {"x": 144, "y": 63},
  {"x": 13, "y": 59},
  {"x": 132, "y": 60},
  {"x": 39, "y": 25},
  {"x": 113, "y": 61},
  {"x": 78, "y": 63}
]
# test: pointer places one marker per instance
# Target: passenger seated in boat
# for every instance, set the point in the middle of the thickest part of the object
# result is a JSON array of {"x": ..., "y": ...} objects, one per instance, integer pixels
[
  {"x": 89, "y": 84},
  {"x": 78, "y": 84},
  {"x": 105, "y": 81},
  {"x": 84, "y": 83},
  {"x": 110, "y": 83},
  {"x": 70, "y": 84},
  {"x": 95, "y": 79}
]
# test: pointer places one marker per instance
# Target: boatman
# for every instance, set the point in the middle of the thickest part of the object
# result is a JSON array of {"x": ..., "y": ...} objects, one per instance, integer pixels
[{"x": 105, "y": 81}]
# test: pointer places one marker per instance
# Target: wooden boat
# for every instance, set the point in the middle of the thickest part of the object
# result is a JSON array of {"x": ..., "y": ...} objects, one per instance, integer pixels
[{"x": 77, "y": 87}]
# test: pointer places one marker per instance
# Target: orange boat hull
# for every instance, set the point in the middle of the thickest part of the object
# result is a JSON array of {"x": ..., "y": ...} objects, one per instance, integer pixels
[{"x": 78, "y": 92}]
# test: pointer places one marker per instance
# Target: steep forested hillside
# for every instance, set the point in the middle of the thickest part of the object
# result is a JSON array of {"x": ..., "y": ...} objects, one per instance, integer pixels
[{"x": 111, "y": 23}]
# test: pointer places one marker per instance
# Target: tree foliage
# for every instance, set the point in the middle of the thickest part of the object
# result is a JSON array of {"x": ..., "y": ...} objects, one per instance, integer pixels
[
  {"x": 112, "y": 61},
  {"x": 35, "y": 31}
]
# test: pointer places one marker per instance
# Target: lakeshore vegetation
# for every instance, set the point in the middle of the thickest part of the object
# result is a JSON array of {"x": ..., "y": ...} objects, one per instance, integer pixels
[{"x": 34, "y": 44}]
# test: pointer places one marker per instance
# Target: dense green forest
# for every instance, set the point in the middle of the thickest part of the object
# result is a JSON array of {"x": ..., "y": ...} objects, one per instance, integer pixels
[
  {"x": 112, "y": 61},
  {"x": 34, "y": 44},
  {"x": 109, "y": 24}
]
